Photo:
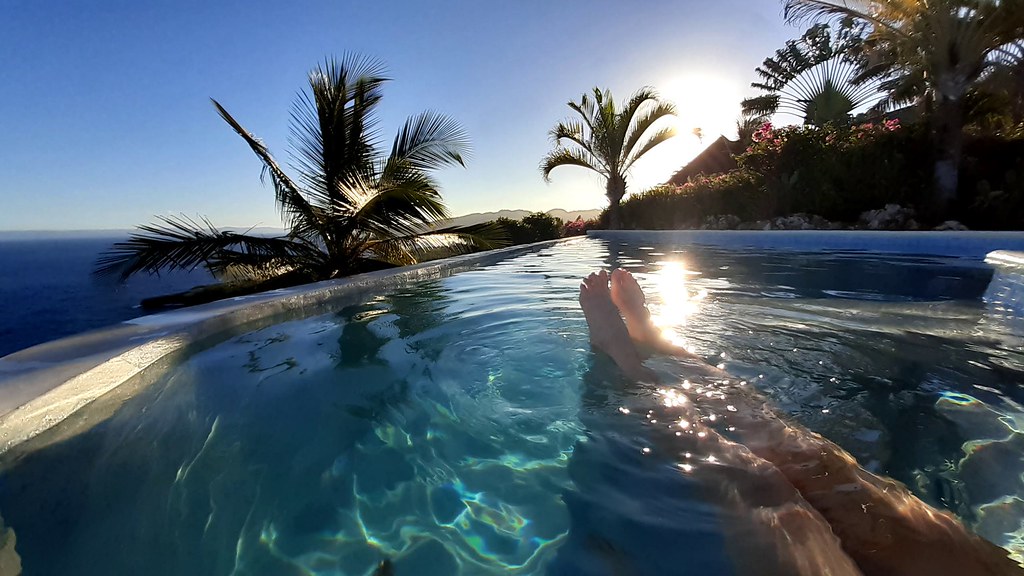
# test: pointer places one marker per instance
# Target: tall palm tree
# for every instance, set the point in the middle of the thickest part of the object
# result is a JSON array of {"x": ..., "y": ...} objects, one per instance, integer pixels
[
  {"x": 351, "y": 207},
  {"x": 936, "y": 52},
  {"x": 813, "y": 77},
  {"x": 609, "y": 140}
]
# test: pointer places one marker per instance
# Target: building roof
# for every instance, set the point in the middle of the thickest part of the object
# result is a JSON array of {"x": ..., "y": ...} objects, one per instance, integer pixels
[{"x": 718, "y": 157}]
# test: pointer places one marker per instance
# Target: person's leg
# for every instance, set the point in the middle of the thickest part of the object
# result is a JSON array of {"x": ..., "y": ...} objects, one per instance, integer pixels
[
  {"x": 884, "y": 527},
  {"x": 773, "y": 530}
]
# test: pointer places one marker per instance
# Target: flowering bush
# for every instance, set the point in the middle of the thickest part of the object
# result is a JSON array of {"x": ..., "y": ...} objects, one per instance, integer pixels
[
  {"x": 838, "y": 171},
  {"x": 579, "y": 226},
  {"x": 767, "y": 138}
]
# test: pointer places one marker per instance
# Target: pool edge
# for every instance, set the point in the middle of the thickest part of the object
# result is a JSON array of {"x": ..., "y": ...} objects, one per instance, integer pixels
[
  {"x": 969, "y": 244},
  {"x": 49, "y": 383}
]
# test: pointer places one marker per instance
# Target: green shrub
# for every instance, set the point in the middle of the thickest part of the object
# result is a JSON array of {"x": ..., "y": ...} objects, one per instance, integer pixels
[
  {"x": 669, "y": 206},
  {"x": 534, "y": 227},
  {"x": 992, "y": 184}
]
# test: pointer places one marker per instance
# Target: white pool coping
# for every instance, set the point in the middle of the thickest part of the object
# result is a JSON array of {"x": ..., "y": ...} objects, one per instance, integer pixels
[{"x": 53, "y": 383}]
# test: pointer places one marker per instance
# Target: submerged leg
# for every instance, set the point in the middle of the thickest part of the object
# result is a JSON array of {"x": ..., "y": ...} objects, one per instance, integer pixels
[
  {"x": 773, "y": 528},
  {"x": 883, "y": 526}
]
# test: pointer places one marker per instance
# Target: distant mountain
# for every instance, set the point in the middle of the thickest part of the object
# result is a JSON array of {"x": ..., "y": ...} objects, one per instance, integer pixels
[{"x": 481, "y": 217}]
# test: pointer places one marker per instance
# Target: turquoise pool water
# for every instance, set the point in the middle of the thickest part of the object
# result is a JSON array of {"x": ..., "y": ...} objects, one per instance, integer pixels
[{"x": 464, "y": 426}]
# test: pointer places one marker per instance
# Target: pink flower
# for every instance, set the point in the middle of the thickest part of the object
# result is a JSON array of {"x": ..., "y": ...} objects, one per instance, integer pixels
[{"x": 762, "y": 133}]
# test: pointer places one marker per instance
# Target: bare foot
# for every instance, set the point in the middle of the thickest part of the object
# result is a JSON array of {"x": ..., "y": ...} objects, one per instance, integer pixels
[
  {"x": 607, "y": 332},
  {"x": 629, "y": 298}
]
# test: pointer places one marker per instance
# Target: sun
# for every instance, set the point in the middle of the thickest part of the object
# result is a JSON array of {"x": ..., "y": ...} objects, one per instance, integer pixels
[{"x": 705, "y": 103}]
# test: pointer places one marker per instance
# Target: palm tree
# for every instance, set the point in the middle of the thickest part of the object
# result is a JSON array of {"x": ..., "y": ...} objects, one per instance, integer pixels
[
  {"x": 813, "y": 77},
  {"x": 933, "y": 52},
  {"x": 609, "y": 140},
  {"x": 350, "y": 209}
]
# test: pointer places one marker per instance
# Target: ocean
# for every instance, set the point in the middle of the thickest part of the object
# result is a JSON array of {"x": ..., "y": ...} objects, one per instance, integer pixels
[{"x": 47, "y": 290}]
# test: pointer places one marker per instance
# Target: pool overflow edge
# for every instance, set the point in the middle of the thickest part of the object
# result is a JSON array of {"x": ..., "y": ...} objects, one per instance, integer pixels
[{"x": 80, "y": 381}]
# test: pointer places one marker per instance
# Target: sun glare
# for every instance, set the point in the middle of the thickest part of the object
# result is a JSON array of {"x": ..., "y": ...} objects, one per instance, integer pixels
[
  {"x": 676, "y": 301},
  {"x": 703, "y": 101}
]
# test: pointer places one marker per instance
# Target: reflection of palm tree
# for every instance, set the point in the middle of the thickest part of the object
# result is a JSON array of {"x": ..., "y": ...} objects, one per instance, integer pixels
[
  {"x": 609, "y": 140},
  {"x": 935, "y": 52},
  {"x": 813, "y": 78},
  {"x": 352, "y": 208}
]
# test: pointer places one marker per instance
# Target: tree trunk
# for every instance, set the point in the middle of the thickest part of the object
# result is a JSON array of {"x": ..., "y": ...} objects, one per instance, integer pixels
[
  {"x": 615, "y": 190},
  {"x": 949, "y": 143}
]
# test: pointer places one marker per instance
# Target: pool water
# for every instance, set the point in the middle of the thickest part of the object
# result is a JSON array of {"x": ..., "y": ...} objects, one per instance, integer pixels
[{"x": 464, "y": 426}]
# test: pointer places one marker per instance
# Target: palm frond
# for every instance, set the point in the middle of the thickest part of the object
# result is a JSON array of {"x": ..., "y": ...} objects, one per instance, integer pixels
[
  {"x": 587, "y": 110},
  {"x": 638, "y": 125},
  {"x": 401, "y": 203},
  {"x": 796, "y": 11},
  {"x": 760, "y": 106},
  {"x": 572, "y": 131},
  {"x": 334, "y": 133},
  {"x": 570, "y": 157},
  {"x": 430, "y": 141},
  {"x": 181, "y": 243},
  {"x": 657, "y": 138},
  {"x": 297, "y": 211},
  {"x": 447, "y": 241}
]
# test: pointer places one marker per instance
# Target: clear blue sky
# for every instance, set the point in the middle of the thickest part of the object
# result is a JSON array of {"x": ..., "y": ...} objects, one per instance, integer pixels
[{"x": 105, "y": 119}]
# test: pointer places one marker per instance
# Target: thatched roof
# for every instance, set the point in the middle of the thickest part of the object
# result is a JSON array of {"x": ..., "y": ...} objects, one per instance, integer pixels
[{"x": 716, "y": 158}]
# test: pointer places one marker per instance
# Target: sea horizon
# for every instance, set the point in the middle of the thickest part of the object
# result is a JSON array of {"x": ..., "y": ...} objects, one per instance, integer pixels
[{"x": 52, "y": 292}]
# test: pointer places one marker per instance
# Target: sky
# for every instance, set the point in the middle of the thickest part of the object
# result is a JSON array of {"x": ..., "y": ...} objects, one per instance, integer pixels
[{"x": 106, "y": 120}]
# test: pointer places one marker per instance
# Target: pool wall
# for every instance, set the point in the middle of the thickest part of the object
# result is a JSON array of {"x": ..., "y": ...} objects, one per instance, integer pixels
[
  {"x": 51, "y": 383},
  {"x": 974, "y": 245}
]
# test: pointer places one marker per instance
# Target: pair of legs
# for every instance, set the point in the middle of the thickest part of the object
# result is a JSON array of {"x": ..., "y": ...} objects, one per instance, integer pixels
[{"x": 825, "y": 514}]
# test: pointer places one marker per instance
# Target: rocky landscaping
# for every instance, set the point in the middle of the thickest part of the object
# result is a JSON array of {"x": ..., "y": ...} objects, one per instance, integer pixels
[{"x": 891, "y": 217}]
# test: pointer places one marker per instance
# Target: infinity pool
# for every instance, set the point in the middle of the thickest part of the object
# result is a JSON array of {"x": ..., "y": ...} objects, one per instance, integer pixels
[{"x": 463, "y": 426}]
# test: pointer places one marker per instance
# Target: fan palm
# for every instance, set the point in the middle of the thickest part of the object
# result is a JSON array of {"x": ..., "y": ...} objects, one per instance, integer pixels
[
  {"x": 350, "y": 209},
  {"x": 1005, "y": 84},
  {"x": 813, "y": 78},
  {"x": 608, "y": 139},
  {"x": 933, "y": 52}
]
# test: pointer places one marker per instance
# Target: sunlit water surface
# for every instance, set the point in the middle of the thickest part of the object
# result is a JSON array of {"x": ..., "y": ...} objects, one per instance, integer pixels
[{"x": 464, "y": 426}]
